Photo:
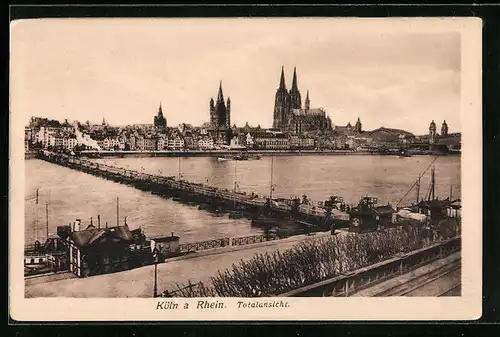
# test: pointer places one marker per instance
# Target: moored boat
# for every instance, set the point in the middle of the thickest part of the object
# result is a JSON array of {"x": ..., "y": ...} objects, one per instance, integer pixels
[{"x": 264, "y": 221}]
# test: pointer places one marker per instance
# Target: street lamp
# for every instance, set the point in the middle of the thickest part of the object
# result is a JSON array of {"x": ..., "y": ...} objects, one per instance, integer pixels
[{"x": 155, "y": 261}]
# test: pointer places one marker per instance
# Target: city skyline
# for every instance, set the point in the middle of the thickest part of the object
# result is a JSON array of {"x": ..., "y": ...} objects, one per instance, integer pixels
[{"x": 122, "y": 69}]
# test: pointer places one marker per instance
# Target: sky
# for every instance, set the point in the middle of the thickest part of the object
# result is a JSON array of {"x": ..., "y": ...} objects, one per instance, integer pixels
[{"x": 121, "y": 69}]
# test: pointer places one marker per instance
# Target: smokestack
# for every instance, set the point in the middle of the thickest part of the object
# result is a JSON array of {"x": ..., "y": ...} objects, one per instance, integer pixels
[
  {"x": 98, "y": 221},
  {"x": 172, "y": 234},
  {"x": 91, "y": 221}
]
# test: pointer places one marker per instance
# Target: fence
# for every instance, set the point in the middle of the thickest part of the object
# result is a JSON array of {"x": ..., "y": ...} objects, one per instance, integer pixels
[
  {"x": 224, "y": 242},
  {"x": 368, "y": 276},
  {"x": 204, "y": 245},
  {"x": 247, "y": 240}
]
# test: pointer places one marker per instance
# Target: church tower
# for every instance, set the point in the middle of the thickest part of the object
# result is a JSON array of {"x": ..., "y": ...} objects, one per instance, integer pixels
[
  {"x": 444, "y": 129},
  {"x": 432, "y": 133},
  {"x": 228, "y": 113},
  {"x": 221, "y": 110},
  {"x": 281, "y": 104},
  {"x": 159, "y": 120},
  {"x": 358, "y": 126},
  {"x": 295, "y": 99},
  {"x": 220, "y": 118},
  {"x": 213, "y": 117},
  {"x": 308, "y": 102}
]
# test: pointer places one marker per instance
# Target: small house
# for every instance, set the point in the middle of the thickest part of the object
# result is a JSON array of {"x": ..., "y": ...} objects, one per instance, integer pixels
[
  {"x": 383, "y": 214},
  {"x": 166, "y": 246},
  {"x": 95, "y": 251}
]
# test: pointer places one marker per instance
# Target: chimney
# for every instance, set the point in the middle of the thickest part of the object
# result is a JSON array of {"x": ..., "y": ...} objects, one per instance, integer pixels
[
  {"x": 98, "y": 221},
  {"x": 172, "y": 234}
]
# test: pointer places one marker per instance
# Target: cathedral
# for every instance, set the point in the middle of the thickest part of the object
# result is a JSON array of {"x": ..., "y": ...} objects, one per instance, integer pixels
[
  {"x": 220, "y": 119},
  {"x": 289, "y": 114}
]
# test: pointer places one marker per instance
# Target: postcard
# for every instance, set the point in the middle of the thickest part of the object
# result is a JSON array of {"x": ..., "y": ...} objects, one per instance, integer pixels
[{"x": 245, "y": 169}]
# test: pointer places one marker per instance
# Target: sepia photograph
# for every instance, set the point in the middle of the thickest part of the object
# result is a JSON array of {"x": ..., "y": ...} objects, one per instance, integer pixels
[{"x": 205, "y": 166}]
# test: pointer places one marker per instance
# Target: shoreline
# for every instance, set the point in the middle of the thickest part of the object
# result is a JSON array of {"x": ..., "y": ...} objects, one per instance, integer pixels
[{"x": 142, "y": 154}]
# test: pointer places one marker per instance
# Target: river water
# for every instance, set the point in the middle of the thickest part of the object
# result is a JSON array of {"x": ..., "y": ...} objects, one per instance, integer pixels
[{"x": 70, "y": 194}]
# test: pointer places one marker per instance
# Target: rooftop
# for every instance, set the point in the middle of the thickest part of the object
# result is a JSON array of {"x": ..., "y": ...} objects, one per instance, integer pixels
[{"x": 91, "y": 234}]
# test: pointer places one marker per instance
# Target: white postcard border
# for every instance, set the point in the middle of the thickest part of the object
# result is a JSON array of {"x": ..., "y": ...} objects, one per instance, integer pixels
[{"x": 466, "y": 307}]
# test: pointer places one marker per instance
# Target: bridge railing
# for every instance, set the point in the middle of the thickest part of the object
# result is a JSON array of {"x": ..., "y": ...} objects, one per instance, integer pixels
[
  {"x": 210, "y": 191},
  {"x": 350, "y": 282}
]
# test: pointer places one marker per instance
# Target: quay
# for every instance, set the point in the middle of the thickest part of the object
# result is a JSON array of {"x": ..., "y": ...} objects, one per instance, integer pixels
[
  {"x": 139, "y": 282},
  {"x": 217, "y": 153},
  {"x": 232, "y": 152},
  {"x": 250, "y": 205}
]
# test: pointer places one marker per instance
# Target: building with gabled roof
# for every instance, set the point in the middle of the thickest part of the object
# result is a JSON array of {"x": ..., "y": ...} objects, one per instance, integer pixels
[{"x": 94, "y": 251}]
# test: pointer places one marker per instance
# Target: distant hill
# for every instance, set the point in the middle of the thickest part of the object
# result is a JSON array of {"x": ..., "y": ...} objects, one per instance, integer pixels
[{"x": 388, "y": 134}]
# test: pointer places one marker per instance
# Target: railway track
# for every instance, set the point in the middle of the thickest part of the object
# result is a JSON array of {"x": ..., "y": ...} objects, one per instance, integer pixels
[
  {"x": 453, "y": 291},
  {"x": 432, "y": 282}
]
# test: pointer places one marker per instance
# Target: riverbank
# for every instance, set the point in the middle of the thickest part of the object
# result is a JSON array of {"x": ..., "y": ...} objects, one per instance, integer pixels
[
  {"x": 220, "y": 153},
  {"x": 30, "y": 155}
]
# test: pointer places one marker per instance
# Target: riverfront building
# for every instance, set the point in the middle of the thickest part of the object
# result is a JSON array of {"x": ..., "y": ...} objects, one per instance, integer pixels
[{"x": 94, "y": 251}]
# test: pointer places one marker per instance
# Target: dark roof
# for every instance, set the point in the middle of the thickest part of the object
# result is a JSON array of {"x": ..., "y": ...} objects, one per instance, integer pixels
[
  {"x": 383, "y": 210},
  {"x": 88, "y": 236},
  {"x": 433, "y": 203},
  {"x": 121, "y": 232},
  {"x": 166, "y": 239},
  {"x": 137, "y": 231}
]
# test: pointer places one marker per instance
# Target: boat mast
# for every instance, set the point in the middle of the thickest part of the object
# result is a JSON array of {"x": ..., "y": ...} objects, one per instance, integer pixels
[
  {"x": 179, "y": 168},
  {"x": 418, "y": 189},
  {"x": 117, "y": 211},
  {"x": 433, "y": 190},
  {"x": 235, "y": 183},
  {"x": 451, "y": 192},
  {"x": 47, "y": 219},
  {"x": 271, "y": 187},
  {"x": 35, "y": 217}
]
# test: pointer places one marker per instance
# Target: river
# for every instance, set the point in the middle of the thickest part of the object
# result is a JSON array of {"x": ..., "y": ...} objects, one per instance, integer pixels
[{"x": 70, "y": 194}]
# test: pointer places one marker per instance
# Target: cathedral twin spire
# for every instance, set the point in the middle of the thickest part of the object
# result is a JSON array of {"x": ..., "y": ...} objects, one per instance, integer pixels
[
  {"x": 295, "y": 87},
  {"x": 282, "y": 80},
  {"x": 286, "y": 100}
]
